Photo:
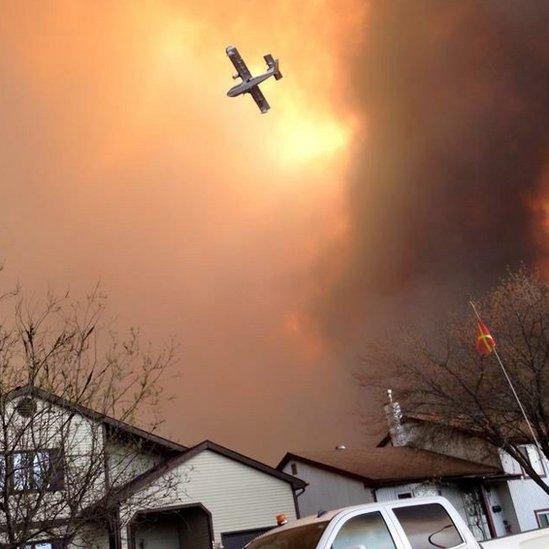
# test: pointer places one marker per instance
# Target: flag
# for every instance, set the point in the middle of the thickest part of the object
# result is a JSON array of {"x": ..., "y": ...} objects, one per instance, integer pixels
[{"x": 485, "y": 341}]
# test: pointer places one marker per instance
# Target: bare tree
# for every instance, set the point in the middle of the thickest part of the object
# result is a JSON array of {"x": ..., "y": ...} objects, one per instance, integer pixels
[
  {"x": 70, "y": 389},
  {"x": 443, "y": 379}
]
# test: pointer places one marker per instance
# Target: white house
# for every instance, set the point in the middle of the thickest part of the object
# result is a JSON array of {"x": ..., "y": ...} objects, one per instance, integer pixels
[
  {"x": 342, "y": 477},
  {"x": 515, "y": 502},
  {"x": 155, "y": 492}
]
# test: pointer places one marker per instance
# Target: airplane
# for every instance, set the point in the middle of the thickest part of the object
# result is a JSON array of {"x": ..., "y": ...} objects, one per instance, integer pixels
[{"x": 250, "y": 84}]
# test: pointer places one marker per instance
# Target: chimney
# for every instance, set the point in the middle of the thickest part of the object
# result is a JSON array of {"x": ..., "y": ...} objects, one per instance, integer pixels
[{"x": 394, "y": 419}]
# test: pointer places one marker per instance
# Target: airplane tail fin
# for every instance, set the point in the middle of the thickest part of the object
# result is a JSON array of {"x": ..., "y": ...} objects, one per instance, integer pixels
[{"x": 273, "y": 64}]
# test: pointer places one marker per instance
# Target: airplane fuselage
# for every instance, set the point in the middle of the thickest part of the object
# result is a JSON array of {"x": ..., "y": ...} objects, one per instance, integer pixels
[{"x": 246, "y": 85}]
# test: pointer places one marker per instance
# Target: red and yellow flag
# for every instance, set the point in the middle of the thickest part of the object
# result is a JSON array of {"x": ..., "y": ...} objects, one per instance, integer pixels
[{"x": 485, "y": 341}]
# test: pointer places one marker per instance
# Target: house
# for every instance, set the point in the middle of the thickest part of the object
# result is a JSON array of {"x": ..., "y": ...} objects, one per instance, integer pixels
[
  {"x": 342, "y": 477},
  {"x": 233, "y": 497},
  {"x": 80, "y": 479},
  {"x": 516, "y": 503}
]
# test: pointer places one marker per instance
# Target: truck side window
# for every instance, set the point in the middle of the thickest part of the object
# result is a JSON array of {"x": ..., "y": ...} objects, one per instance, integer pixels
[
  {"x": 428, "y": 526},
  {"x": 368, "y": 531}
]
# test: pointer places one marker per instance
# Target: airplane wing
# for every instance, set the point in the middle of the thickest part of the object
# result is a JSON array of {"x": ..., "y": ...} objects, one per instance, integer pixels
[
  {"x": 259, "y": 98},
  {"x": 238, "y": 63}
]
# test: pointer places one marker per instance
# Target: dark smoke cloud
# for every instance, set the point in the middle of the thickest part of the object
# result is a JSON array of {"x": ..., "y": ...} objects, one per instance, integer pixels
[{"x": 446, "y": 179}]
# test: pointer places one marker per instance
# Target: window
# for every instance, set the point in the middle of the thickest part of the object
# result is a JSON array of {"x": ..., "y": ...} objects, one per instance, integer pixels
[
  {"x": 367, "y": 530},
  {"x": 37, "y": 470},
  {"x": 531, "y": 455},
  {"x": 542, "y": 517},
  {"x": 428, "y": 526},
  {"x": 22, "y": 471},
  {"x": 405, "y": 495}
]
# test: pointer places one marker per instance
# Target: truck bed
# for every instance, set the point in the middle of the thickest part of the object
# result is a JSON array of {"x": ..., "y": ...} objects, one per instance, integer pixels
[{"x": 533, "y": 539}]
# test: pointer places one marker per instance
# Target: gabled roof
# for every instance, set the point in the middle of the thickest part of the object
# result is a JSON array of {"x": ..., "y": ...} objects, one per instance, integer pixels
[
  {"x": 392, "y": 465},
  {"x": 159, "y": 442},
  {"x": 150, "y": 476}
]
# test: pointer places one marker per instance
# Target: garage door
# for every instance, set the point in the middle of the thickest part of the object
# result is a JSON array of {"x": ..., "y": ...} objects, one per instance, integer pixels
[{"x": 237, "y": 540}]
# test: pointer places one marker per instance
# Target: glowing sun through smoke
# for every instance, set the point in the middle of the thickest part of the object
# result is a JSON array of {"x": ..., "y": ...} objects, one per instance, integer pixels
[
  {"x": 304, "y": 125},
  {"x": 310, "y": 137},
  {"x": 202, "y": 217}
]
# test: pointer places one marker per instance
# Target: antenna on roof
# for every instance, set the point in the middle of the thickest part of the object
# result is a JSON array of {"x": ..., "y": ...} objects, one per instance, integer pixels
[{"x": 394, "y": 419}]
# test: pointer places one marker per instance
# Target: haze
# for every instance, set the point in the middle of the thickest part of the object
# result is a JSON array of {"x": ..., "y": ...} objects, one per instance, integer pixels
[{"x": 255, "y": 241}]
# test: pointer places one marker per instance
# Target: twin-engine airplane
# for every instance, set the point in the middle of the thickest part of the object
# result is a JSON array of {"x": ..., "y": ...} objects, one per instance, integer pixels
[{"x": 250, "y": 84}]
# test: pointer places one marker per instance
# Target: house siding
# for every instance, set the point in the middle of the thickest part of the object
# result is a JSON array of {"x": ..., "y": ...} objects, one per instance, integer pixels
[
  {"x": 238, "y": 496},
  {"x": 93, "y": 538},
  {"x": 126, "y": 461},
  {"x": 526, "y": 495},
  {"x": 327, "y": 490}
]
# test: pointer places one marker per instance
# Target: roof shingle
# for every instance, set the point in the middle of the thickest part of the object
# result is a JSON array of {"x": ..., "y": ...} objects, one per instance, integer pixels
[{"x": 390, "y": 464}]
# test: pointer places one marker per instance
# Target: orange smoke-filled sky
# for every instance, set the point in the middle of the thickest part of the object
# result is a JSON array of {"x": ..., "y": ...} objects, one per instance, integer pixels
[
  {"x": 402, "y": 167},
  {"x": 123, "y": 161}
]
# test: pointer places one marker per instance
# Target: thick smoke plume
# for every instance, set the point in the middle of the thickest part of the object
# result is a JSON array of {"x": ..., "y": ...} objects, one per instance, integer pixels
[
  {"x": 122, "y": 160},
  {"x": 446, "y": 188}
]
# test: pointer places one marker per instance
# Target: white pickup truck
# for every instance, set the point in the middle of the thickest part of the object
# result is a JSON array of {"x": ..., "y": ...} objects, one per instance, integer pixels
[{"x": 425, "y": 523}]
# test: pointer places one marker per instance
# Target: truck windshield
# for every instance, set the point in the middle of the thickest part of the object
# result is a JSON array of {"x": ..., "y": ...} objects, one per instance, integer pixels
[{"x": 302, "y": 537}]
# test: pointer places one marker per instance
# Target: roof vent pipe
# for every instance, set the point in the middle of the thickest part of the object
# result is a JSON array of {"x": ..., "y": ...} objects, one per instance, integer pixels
[{"x": 341, "y": 447}]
